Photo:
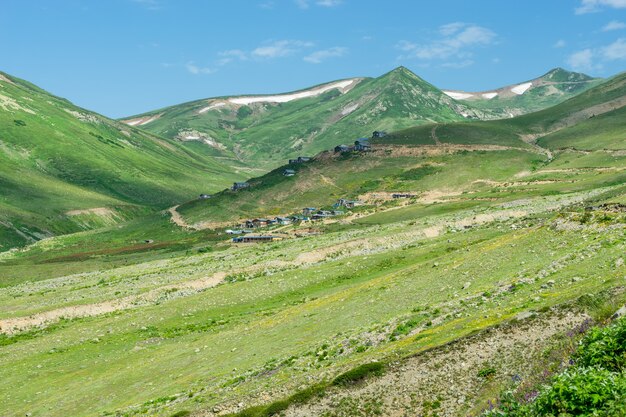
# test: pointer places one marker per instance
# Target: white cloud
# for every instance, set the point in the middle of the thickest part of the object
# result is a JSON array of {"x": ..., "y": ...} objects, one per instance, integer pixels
[
  {"x": 593, "y": 59},
  {"x": 592, "y": 6},
  {"x": 328, "y": 3},
  {"x": 451, "y": 28},
  {"x": 560, "y": 44},
  {"x": 614, "y": 25},
  {"x": 226, "y": 57},
  {"x": 318, "y": 57},
  {"x": 278, "y": 49},
  {"x": 615, "y": 51},
  {"x": 460, "y": 64},
  {"x": 582, "y": 60},
  {"x": 305, "y": 4},
  {"x": 194, "y": 69},
  {"x": 456, "y": 43}
]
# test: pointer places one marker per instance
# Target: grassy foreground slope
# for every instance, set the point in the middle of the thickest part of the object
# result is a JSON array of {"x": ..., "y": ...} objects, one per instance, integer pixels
[
  {"x": 266, "y": 133},
  {"x": 64, "y": 169}
]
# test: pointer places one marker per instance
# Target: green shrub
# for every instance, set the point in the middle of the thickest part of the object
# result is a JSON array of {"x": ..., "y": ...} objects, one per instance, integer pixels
[
  {"x": 487, "y": 372},
  {"x": 181, "y": 413},
  {"x": 581, "y": 391},
  {"x": 604, "y": 347},
  {"x": 359, "y": 373}
]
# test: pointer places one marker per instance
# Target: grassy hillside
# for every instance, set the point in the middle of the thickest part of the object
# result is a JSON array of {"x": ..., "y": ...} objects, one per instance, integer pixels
[
  {"x": 63, "y": 168},
  {"x": 267, "y": 133},
  {"x": 552, "y": 88}
]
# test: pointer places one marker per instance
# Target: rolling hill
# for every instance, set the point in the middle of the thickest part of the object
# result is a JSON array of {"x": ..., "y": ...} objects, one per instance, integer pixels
[
  {"x": 555, "y": 86},
  {"x": 65, "y": 169}
]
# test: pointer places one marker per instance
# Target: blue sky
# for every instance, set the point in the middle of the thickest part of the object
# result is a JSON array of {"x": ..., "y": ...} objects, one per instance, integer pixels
[{"x": 123, "y": 57}]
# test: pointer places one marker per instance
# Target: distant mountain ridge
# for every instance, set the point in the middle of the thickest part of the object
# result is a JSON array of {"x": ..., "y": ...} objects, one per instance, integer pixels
[
  {"x": 547, "y": 90},
  {"x": 267, "y": 129},
  {"x": 271, "y": 128}
]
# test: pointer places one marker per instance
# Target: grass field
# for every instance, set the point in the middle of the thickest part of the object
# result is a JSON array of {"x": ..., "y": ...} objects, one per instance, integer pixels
[{"x": 137, "y": 316}]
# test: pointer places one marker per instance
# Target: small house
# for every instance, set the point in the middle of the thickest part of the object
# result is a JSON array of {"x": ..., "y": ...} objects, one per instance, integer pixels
[
  {"x": 307, "y": 211},
  {"x": 289, "y": 173},
  {"x": 293, "y": 161},
  {"x": 303, "y": 159},
  {"x": 204, "y": 196},
  {"x": 299, "y": 219},
  {"x": 362, "y": 145},
  {"x": 239, "y": 186},
  {"x": 260, "y": 222},
  {"x": 255, "y": 239},
  {"x": 342, "y": 202},
  {"x": 379, "y": 134},
  {"x": 283, "y": 221},
  {"x": 337, "y": 212},
  {"x": 402, "y": 195},
  {"x": 341, "y": 148},
  {"x": 233, "y": 231}
]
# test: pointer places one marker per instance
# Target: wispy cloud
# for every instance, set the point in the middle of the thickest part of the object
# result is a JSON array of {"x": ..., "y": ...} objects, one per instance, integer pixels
[
  {"x": 282, "y": 48},
  {"x": 461, "y": 64},
  {"x": 195, "y": 69},
  {"x": 456, "y": 43},
  {"x": 226, "y": 57},
  {"x": 560, "y": 44},
  {"x": 266, "y": 51},
  {"x": 592, "y": 6},
  {"x": 615, "y": 51},
  {"x": 593, "y": 59},
  {"x": 328, "y": 3},
  {"x": 305, "y": 4},
  {"x": 614, "y": 25},
  {"x": 582, "y": 60},
  {"x": 318, "y": 57}
]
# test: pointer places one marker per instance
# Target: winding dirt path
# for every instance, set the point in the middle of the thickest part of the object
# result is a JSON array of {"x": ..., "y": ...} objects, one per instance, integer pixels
[{"x": 178, "y": 219}]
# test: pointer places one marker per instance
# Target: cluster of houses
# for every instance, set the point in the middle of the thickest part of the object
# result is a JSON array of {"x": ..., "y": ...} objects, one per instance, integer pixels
[
  {"x": 361, "y": 144},
  {"x": 300, "y": 160}
]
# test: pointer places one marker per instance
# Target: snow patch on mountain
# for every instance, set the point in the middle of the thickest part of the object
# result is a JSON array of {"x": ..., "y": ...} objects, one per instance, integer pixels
[
  {"x": 211, "y": 107},
  {"x": 284, "y": 98},
  {"x": 489, "y": 96},
  {"x": 457, "y": 95},
  {"x": 521, "y": 88},
  {"x": 140, "y": 121}
]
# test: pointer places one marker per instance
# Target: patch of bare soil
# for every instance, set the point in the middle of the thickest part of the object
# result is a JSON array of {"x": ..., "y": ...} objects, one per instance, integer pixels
[
  {"x": 15, "y": 325},
  {"x": 98, "y": 211},
  {"x": 441, "y": 149},
  {"x": 449, "y": 376}
]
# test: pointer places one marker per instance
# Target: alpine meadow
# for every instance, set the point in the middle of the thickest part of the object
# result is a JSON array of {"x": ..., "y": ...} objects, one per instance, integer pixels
[{"x": 431, "y": 223}]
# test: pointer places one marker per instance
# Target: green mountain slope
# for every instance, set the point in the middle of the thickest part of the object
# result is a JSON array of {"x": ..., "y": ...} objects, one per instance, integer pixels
[
  {"x": 267, "y": 131},
  {"x": 552, "y": 88},
  {"x": 63, "y": 168}
]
